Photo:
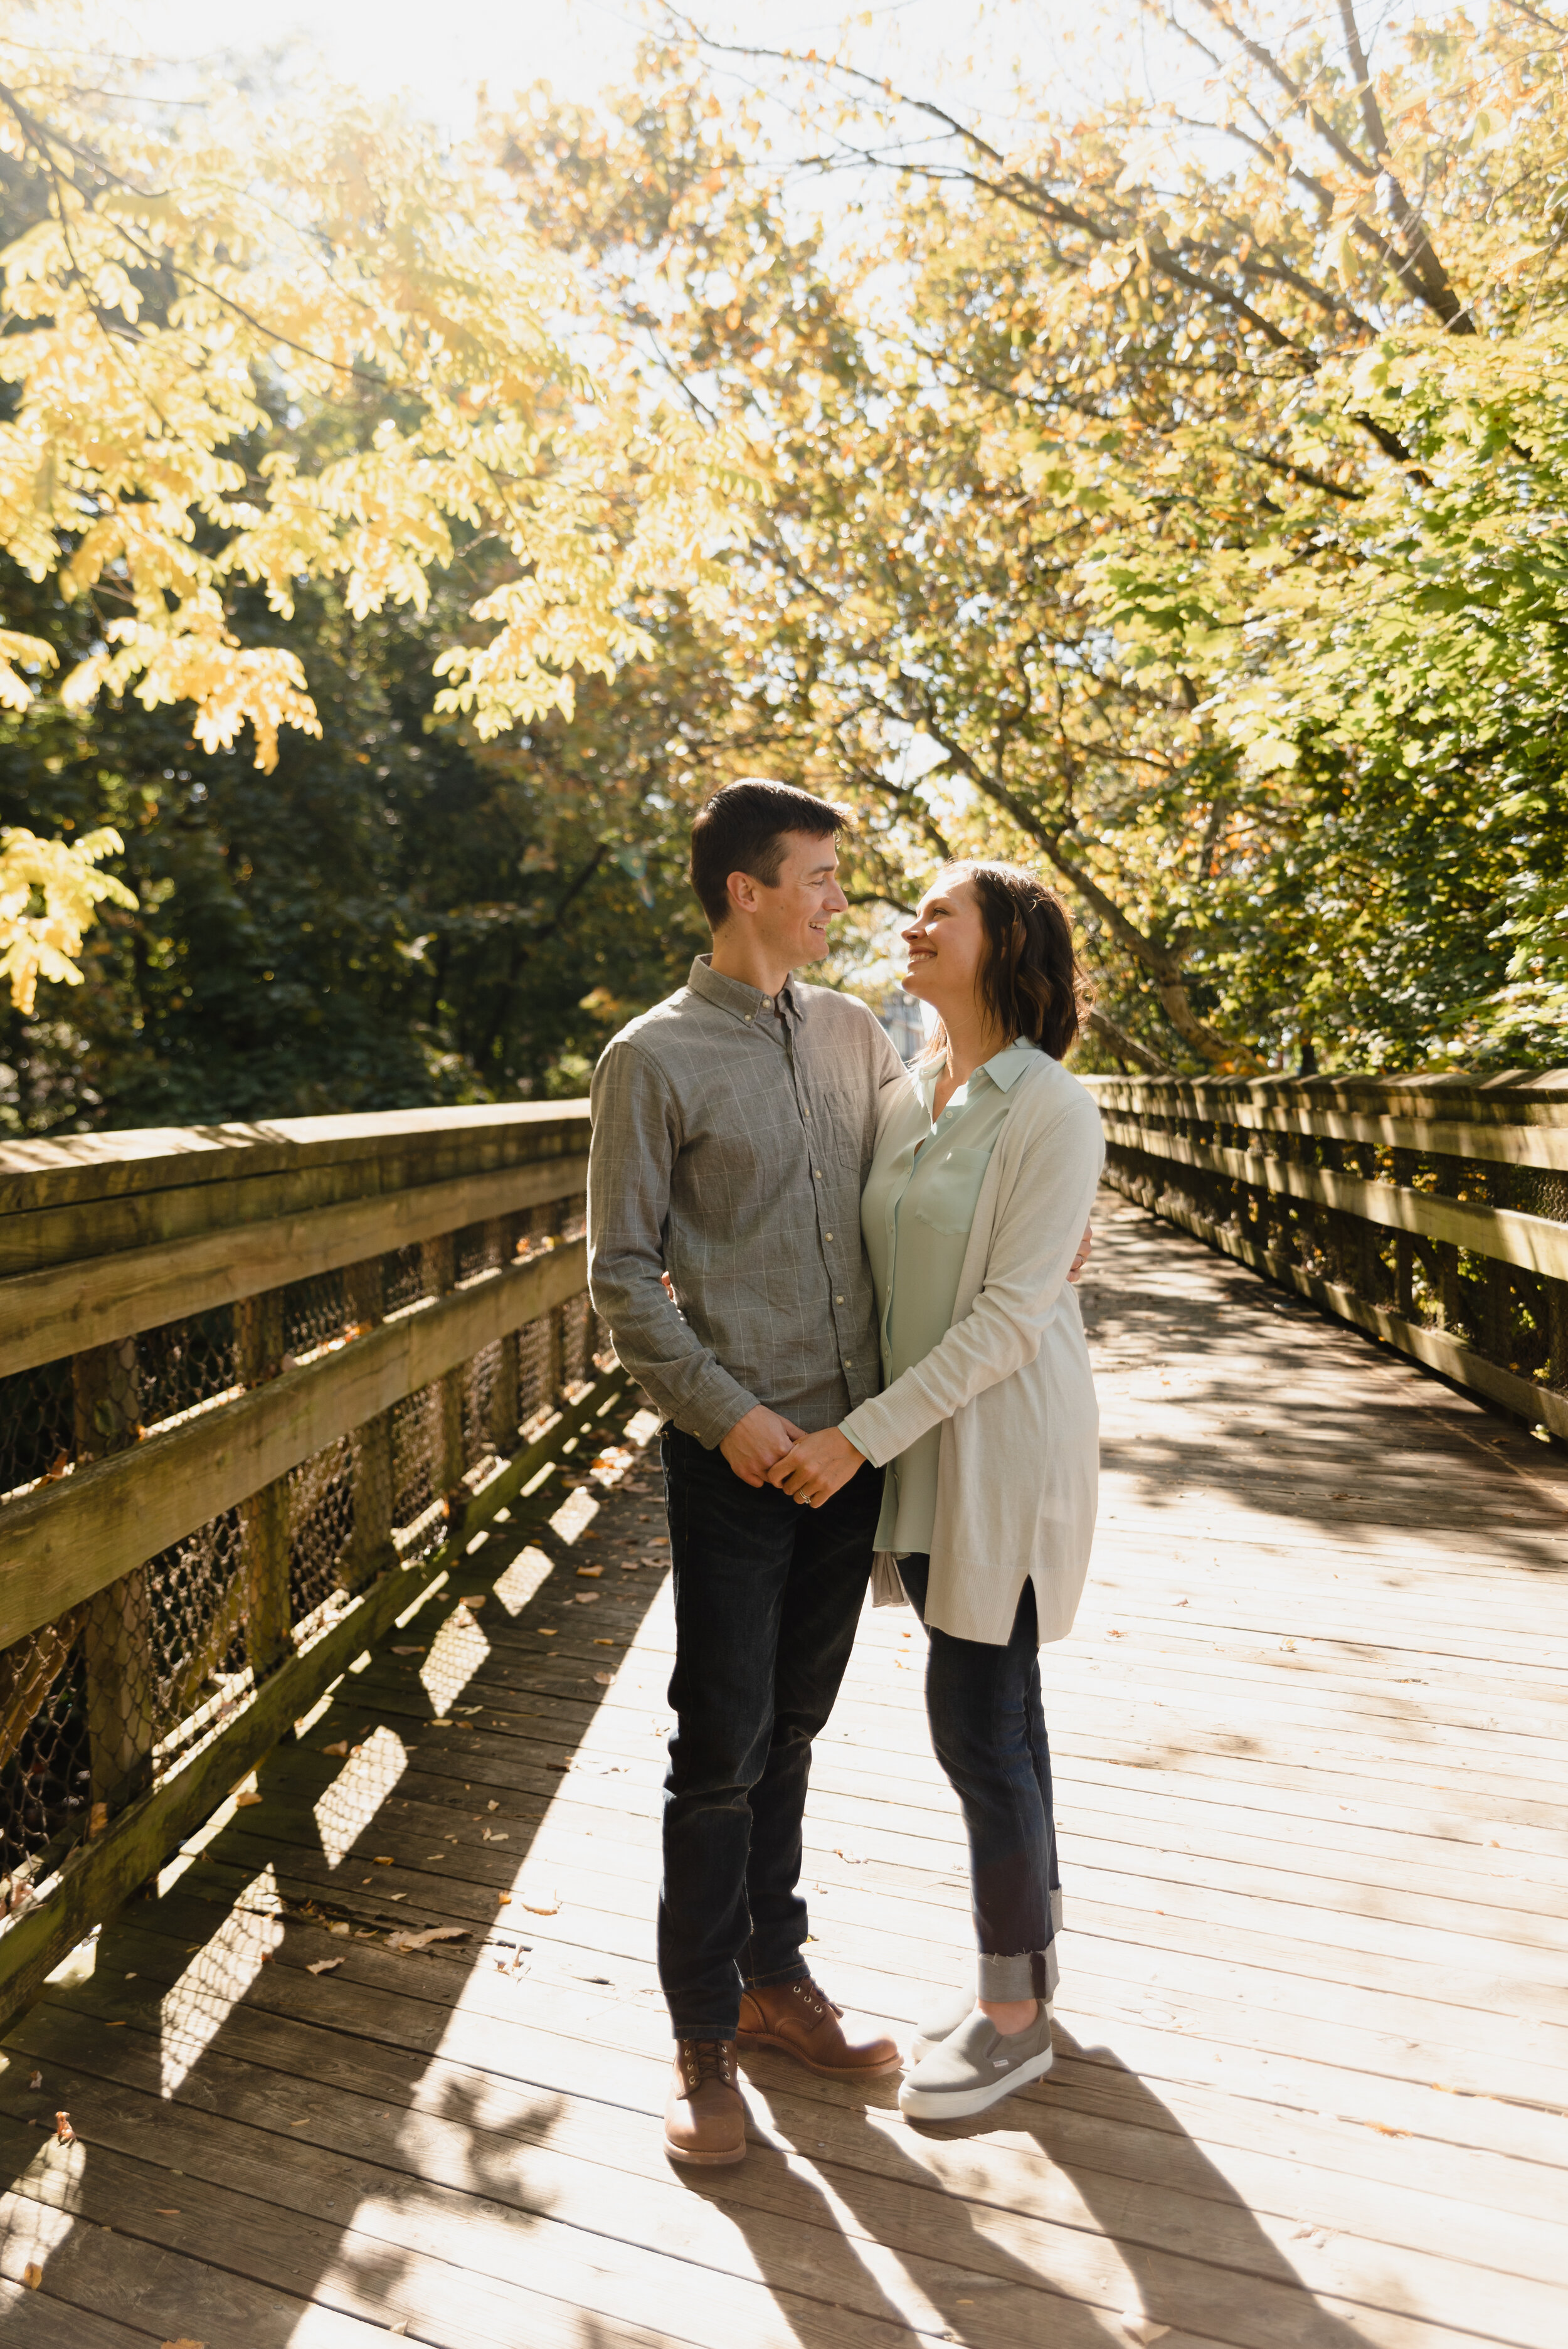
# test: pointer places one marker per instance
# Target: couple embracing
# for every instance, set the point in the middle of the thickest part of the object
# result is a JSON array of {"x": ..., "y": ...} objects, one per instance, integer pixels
[{"x": 846, "y": 1286}]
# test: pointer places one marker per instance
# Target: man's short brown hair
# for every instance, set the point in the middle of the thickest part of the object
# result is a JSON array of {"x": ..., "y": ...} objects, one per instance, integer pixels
[{"x": 742, "y": 829}]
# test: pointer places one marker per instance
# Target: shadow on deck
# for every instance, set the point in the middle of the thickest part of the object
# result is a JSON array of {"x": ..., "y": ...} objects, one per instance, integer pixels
[{"x": 1313, "y": 2037}]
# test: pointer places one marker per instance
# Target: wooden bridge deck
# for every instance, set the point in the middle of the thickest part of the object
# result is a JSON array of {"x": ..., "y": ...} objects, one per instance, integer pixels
[{"x": 1313, "y": 2032}]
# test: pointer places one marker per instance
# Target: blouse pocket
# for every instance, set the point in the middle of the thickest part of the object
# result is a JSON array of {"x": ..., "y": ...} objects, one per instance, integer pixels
[{"x": 946, "y": 1188}]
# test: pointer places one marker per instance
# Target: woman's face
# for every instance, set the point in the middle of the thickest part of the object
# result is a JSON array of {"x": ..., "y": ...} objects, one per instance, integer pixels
[{"x": 946, "y": 942}]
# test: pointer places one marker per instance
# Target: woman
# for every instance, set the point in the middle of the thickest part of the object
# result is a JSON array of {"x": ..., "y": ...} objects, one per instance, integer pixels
[{"x": 983, "y": 1178}]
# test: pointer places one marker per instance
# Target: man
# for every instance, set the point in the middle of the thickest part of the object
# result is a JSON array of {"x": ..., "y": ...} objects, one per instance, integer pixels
[{"x": 733, "y": 1127}]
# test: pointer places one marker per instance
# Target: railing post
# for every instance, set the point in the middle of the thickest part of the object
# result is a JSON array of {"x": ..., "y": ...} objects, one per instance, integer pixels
[
  {"x": 1404, "y": 1242},
  {"x": 259, "y": 1347},
  {"x": 371, "y": 1546},
  {"x": 446, "y": 1437},
  {"x": 116, "y": 1627},
  {"x": 501, "y": 1238},
  {"x": 1556, "y": 1295}
]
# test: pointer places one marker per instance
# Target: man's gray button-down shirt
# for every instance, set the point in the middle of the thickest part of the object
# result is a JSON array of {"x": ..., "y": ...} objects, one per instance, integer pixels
[{"x": 732, "y": 1134}]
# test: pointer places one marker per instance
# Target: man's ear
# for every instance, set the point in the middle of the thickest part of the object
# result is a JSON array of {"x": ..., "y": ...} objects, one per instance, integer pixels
[{"x": 742, "y": 893}]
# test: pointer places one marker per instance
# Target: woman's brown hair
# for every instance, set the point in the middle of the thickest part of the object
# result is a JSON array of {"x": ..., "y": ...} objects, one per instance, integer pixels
[{"x": 1029, "y": 979}]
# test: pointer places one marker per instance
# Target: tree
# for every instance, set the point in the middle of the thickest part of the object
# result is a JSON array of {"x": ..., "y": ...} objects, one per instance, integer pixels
[
  {"x": 1179, "y": 495},
  {"x": 252, "y": 348}
]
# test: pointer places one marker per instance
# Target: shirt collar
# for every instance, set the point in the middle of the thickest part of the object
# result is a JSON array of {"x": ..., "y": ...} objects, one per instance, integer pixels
[
  {"x": 733, "y": 996},
  {"x": 1004, "y": 1069}
]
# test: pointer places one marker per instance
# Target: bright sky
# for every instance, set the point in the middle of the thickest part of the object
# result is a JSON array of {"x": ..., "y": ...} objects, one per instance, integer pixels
[{"x": 958, "y": 50}]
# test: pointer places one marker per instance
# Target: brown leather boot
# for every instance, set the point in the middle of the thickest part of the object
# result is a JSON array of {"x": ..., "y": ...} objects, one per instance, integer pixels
[
  {"x": 799, "y": 2020},
  {"x": 705, "y": 2115}
]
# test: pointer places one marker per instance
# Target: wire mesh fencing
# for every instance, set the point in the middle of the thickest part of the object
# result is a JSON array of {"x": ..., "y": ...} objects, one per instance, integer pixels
[
  {"x": 1263, "y": 1171},
  {"x": 103, "y": 1702}
]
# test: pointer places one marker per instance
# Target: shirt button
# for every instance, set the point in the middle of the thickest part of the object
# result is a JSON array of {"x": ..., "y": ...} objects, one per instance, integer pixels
[
  {"x": 848, "y": 1364},
  {"x": 838, "y": 1300},
  {"x": 827, "y": 1236},
  {"x": 806, "y": 1113}
]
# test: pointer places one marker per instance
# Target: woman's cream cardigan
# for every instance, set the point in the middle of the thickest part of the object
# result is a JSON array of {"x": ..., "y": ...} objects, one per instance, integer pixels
[{"x": 1018, "y": 1472}]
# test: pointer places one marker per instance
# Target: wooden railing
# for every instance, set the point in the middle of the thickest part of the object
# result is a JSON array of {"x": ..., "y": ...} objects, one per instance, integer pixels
[
  {"x": 1431, "y": 1211},
  {"x": 257, "y": 1384}
]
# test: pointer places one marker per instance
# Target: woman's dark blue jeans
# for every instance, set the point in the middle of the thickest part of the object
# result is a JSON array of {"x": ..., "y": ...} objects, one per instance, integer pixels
[
  {"x": 988, "y": 1731},
  {"x": 768, "y": 1596}
]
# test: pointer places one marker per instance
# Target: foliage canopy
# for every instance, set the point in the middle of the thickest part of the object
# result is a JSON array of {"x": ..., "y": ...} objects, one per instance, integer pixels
[{"x": 1176, "y": 498}]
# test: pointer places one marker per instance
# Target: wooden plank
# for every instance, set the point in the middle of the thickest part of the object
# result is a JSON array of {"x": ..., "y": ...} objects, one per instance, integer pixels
[
  {"x": 34, "y": 1174},
  {"x": 936, "y": 2207},
  {"x": 1533, "y": 1242},
  {"x": 1532, "y": 1145},
  {"x": 1433, "y": 1348},
  {"x": 95, "y": 1296},
  {"x": 46, "y": 2322},
  {"x": 65, "y": 1540},
  {"x": 1510, "y": 1099},
  {"x": 98, "y": 1876},
  {"x": 33, "y": 1237}
]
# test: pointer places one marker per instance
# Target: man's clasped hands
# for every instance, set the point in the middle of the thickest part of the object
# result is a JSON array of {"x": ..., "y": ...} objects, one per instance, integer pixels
[{"x": 765, "y": 1448}]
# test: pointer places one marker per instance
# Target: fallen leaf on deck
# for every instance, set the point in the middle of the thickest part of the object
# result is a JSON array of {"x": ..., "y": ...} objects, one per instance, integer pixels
[
  {"x": 320, "y": 1966},
  {"x": 64, "y": 2133},
  {"x": 605, "y": 1680},
  {"x": 492, "y": 1804},
  {"x": 407, "y": 1652},
  {"x": 492, "y": 1837},
  {"x": 165, "y": 2214},
  {"x": 246, "y": 1801},
  {"x": 550, "y": 1905},
  {"x": 340, "y": 1928},
  {"x": 36, "y": 2081},
  {"x": 184, "y": 2341},
  {"x": 604, "y": 1643},
  {"x": 409, "y": 1940},
  {"x": 504, "y": 1898},
  {"x": 341, "y": 1747},
  {"x": 32, "y": 2275},
  {"x": 546, "y": 1635},
  {"x": 382, "y": 1860}
]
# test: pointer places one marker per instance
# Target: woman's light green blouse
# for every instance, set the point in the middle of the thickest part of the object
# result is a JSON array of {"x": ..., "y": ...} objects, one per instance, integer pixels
[{"x": 915, "y": 1213}]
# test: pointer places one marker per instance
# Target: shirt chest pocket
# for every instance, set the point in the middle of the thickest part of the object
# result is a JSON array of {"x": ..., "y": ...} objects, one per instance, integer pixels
[{"x": 945, "y": 1186}]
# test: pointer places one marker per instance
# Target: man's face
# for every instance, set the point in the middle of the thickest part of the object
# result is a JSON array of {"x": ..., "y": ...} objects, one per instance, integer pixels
[{"x": 792, "y": 916}]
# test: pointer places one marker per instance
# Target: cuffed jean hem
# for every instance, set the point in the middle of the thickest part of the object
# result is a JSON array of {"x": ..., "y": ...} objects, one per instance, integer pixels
[
  {"x": 1032, "y": 1973},
  {"x": 703, "y": 2030},
  {"x": 798, "y": 1971}
]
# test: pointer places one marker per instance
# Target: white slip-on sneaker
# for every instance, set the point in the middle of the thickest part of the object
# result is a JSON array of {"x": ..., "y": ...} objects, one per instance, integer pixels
[{"x": 974, "y": 2067}]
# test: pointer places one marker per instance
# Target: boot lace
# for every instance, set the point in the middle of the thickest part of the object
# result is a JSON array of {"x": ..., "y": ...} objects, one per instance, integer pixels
[
  {"x": 816, "y": 2002},
  {"x": 707, "y": 2059}
]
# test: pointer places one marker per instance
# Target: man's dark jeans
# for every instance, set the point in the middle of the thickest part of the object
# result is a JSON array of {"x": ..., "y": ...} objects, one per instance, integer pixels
[
  {"x": 988, "y": 1731},
  {"x": 768, "y": 1596}
]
